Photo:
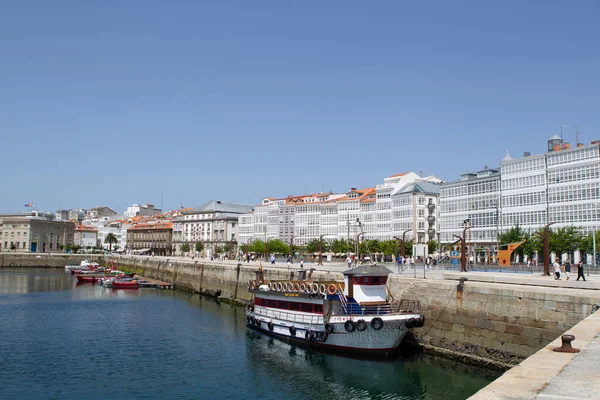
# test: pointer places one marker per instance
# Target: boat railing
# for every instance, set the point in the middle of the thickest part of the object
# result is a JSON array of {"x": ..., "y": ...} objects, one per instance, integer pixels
[
  {"x": 288, "y": 316},
  {"x": 398, "y": 307}
]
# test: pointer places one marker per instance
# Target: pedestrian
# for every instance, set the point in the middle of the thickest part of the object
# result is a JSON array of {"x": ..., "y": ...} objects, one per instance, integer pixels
[
  {"x": 252, "y": 257},
  {"x": 556, "y": 270},
  {"x": 412, "y": 262},
  {"x": 273, "y": 259},
  {"x": 247, "y": 258},
  {"x": 427, "y": 263},
  {"x": 289, "y": 261},
  {"x": 580, "y": 273},
  {"x": 349, "y": 262},
  {"x": 302, "y": 264},
  {"x": 567, "y": 268}
]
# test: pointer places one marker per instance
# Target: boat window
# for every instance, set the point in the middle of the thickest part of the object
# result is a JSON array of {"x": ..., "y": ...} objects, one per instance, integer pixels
[
  {"x": 294, "y": 306},
  {"x": 366, "y": 280},
  {"x": 318, "y": 308},
  {"x": 258, "y": 301},
  {"x": 375, "y": 280},
  {"x": 307, "y": 307},
  {"x": 356, "y": 280}
]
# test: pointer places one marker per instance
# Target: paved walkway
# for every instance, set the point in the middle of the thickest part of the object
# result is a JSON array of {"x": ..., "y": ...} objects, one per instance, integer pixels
[{"x": 551, "y": 375}]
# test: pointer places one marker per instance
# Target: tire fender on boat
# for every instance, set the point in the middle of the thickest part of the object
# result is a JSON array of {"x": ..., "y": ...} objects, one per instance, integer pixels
[
  {"x": 271, "y": 326},
  {"x": 307, "y": 335},
  {"x": 361, "y": 325},
  {"x": 257, "y": 321},
  {"x": 377, "y": 323},
  {"x": 331, "y": 289},
  {"x": 302, "y": 288},
  {"x": 314, "y": 335},
  {"x": 421, "y": 322},
  {"x": 324, "y": 336},
  {"x": 292, "y": 330},
  {"x": 329, "y": 328},
  {"x": 350, "y": 326}
]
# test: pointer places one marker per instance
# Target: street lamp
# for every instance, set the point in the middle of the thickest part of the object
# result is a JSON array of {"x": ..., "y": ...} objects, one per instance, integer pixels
[
  {"x": 321, "y": 249},
  {"x": 497, "y": 205},
  {"x": 402, "y": 243},
  {"x": 594, "y": 232}
]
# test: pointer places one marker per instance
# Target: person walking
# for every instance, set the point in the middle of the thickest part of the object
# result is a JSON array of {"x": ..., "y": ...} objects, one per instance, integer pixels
[
  {"x": 556, "y": 270},
  {"x": 273, "y": 259},
  {"x": 302, "y": 264},
  {"x": 567, "y": 268},
  {"x": 349, "y": 262},
  {"x": 580, "y": 273}
]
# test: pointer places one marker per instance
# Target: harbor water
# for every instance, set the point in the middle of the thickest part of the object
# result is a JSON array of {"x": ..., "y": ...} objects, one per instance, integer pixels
[{"x": 60, "y": 340}]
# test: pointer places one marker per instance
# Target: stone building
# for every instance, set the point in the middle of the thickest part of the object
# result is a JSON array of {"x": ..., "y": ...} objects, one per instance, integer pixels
[
  {"x": 214, "y": 224},
  {"x": 35, "y": 232},
  {"x": 153, "y": 237},
  {"x": 86, "y": 236}
]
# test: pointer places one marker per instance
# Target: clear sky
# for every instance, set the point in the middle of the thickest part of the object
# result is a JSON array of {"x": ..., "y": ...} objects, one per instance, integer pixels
[{"x": 115, "y": 102}]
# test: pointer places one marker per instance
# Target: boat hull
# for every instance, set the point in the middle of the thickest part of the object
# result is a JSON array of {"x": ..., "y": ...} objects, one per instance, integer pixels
[{"x": 373, "y": 342}]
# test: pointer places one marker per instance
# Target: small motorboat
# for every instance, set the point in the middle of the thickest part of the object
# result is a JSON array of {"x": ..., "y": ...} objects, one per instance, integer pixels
[
  {"x": 125, "y": 284},
  {"x": 89, "y": 278}
]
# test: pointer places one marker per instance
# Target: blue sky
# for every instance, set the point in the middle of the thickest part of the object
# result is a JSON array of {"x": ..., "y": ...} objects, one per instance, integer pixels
[{"x": 115, "y": 102}]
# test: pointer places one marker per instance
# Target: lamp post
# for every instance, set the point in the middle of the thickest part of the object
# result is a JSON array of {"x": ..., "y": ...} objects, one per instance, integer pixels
[
  {"x": 497, "y": 230},
  {"x": 320, "y": 250},
  {"x": 356, "y": 245},
  {"x": 594, "y": 233}
]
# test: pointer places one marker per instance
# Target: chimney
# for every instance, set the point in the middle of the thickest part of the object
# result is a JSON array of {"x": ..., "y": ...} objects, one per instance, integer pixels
[
  {"x": 352, "y": 188},
  {"x": 526, "y": 154}
]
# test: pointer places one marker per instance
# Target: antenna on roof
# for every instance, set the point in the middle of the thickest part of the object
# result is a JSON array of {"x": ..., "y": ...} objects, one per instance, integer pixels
[{"x": 576, "y": 134}]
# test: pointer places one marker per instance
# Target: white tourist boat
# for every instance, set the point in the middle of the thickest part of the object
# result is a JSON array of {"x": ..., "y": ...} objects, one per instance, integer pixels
[
  {"x": 357, "y": 316},
  {"x": 84, "y": 265}
]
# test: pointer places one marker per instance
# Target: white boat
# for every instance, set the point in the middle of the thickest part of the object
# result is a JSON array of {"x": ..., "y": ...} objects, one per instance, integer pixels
[
  {"x": 84, "y": 265},
  {"x": 355, "y": 316}
]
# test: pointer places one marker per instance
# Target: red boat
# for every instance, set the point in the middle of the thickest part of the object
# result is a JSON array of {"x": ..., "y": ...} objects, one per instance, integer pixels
[
  {"x": 88, "y": 278},
  {"x": 125, "y": 284}
]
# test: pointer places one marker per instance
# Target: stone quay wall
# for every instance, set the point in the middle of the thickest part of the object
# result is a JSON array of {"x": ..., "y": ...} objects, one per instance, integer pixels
[{"x": 45, "y": 260}]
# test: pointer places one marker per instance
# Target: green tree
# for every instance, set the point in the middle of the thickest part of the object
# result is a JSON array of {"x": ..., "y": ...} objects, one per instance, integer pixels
[
  {"x": 408, "y": 246},
  {"x": 218, "y": 249},
  {"x": 257, "y": 246},
  {"x": 185, "y": 248},
  {"x": 245, "y": 248},
  {"x": 226, "y": 249},
  {"x": 75, "y": 248},
  {"x": 432, "y": 246},
  {"x": 313, "y": 246},
  {"x": 339, "y": 246},
  {"x": 565, "y": 240},
  {"x": 390, "y": 247},
  {"x": 515, "y": 235},
  {"x": 110, "y": 239},
  {"x": 199, "y": 246},
  {"x": 277, "y": 246}
]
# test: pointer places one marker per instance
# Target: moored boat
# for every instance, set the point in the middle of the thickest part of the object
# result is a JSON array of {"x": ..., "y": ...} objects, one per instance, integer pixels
[
  {"x": 89, "y": 278},
  {"x": 358, "y": 315},
  {"x": 125, "y": 284}
]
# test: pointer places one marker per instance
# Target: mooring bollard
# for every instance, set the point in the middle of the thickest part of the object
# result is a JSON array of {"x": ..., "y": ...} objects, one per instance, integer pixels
[{"x": 566, "y": 345}]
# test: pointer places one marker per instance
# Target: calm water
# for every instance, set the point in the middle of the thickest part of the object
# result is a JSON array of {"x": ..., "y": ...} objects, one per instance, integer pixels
[{"x": 63, "y": 341}]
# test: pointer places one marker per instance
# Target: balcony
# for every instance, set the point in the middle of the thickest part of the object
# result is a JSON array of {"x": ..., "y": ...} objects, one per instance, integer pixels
[
  {"x": 431, "y": 219},
  {"x": 431, "y": 207}
]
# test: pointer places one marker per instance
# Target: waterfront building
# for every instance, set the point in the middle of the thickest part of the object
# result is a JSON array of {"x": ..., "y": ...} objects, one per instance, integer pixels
[
  {"x": 152, "y": 237},
  {"x": 144, "y": 210},
  {"x": 77, "y": 215},
  {"x": 471, "y": 202},
  {"x": 561, "y": 187},
  {"x": 100, "y": 213},
  {"x": 85, "y": 236},
  {"x": 370, "y": 211},
  {"x": 35, "y": 232},
  {"x": 215, "y": 224}
]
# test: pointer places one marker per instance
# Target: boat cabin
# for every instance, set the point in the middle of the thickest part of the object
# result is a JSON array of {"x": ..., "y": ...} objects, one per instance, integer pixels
[{"x": 366, "y": 284}]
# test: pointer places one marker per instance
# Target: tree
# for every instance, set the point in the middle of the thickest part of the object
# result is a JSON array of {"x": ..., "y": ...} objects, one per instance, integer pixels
[
  {"x": 432, "y": 246},
  {"x": 339, "y": 246},
  {"x": 313, "y": 246},
  {"x": 75, "y": 248},
  {"x": 258, "y": 247},
  {"x": 390, "y": 247},
  {"x": 245, "y": 248},
  {"x": 185, "y": 248},
  {"x": 565, "y": 240},
  {"x": 515, "y": 235},
  {"x": 408, "y": 247},
  {"x": 226, "y": 249},
  {"x": 199, "y": 246},
  {"x": 117, "y": 247},
  {"x": 110, "y": 239},
  {"x": 277, "y": 246},
  {"x": 218, "y": 249}
]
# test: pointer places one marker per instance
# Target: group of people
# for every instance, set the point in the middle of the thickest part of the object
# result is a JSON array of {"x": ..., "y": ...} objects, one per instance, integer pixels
[{"x": 566, "y": 268}]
